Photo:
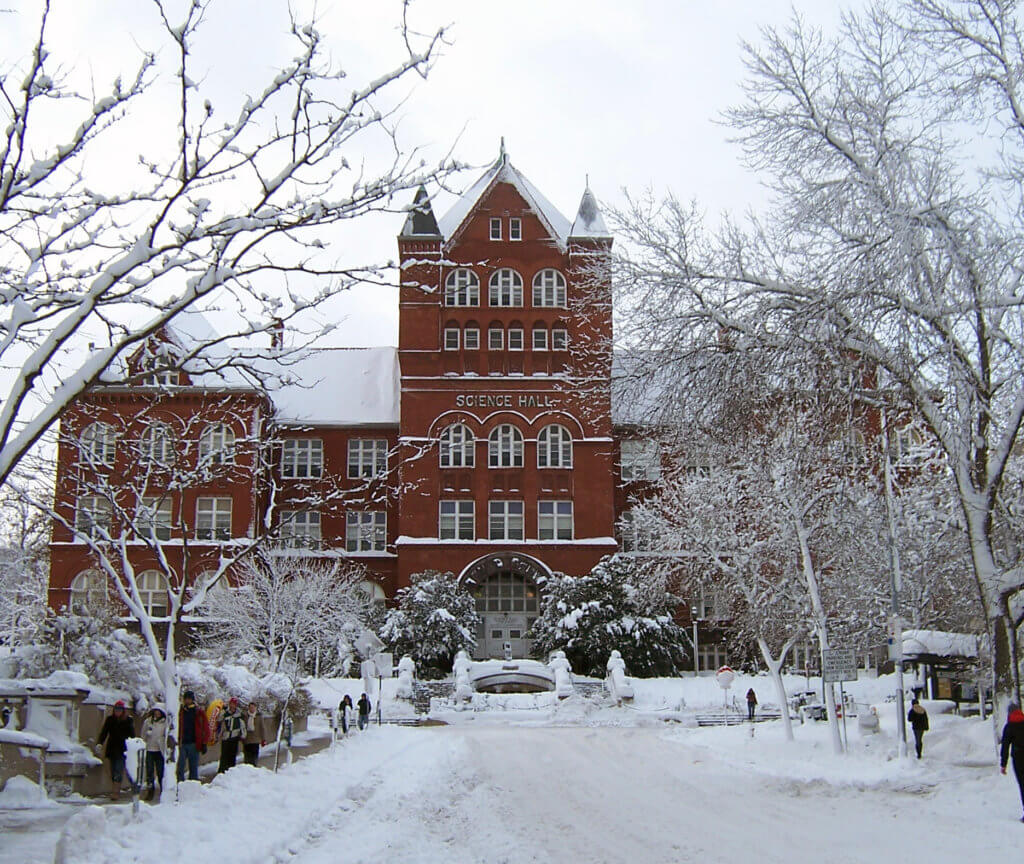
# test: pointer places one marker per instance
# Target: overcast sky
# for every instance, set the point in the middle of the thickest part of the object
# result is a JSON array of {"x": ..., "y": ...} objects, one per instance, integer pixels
[{"x": 626, "y": 92}]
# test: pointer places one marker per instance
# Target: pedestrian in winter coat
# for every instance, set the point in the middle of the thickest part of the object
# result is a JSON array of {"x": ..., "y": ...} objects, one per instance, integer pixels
[
  {"x": 751, "y": 704},
  {"x": 193, "y": 732},
  {"x": 1013, "y": 744},
  {"x": 364, "y": 711},
  {"x": 230, "y": 731},
  {"x": 255, "y": 734},
  {"x": 116, "y": 730},
  {"x": 345, "y": 713},
  {"x": 154, "y": 733},
  {"x": 918, "y": 719}
]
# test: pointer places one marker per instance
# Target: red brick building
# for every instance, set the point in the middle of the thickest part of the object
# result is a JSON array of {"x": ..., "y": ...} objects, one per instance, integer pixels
[{"x": 484, "y": 445}]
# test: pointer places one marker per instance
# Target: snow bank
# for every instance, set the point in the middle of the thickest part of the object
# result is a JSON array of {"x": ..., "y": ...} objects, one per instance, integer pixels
[{"x": 20, "y": 793}]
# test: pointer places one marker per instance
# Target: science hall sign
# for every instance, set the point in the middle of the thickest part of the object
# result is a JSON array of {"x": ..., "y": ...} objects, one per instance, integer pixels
[{"x": 506, "y": 400}]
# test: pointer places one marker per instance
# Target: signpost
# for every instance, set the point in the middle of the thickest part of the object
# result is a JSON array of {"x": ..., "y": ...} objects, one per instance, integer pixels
[
  {"x": 725, "y": 676},
  {"x": 839, "y": 665}
]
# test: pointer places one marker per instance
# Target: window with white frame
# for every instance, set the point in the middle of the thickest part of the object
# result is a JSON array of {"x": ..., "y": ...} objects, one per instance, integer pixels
[
  {"x": 549, "y": 288},
  {"x": 367, "y": 457},
  {"x": 217, "y": 444},
  {"x": 92, "y": 516},
  {"x": 366, "y": 531},
  {"x": 462, "y": 288},
  {"x": 451, "y": 338},
  {"x": 640, "y": 459},
  {"x": 89, "y": 592},
  {"x": 156, "y": 445},
  {"x": 636, "y": 533},
  {"x": 456, "y": 520},
  {"x": 153, "y": 592},
  {"x": 559, "y": 339},
  {"x": 153, "y": 518},
  {"x": 213, "y": 518},
  {"x": 302, "y": 458},
  {"x": 471, "y": 338},
  {"x": 515, "y": 228},
  {"x": 300, "y": 528},
  {"x": 371, "y": 592},
  {"x": 457, "y": 446},
  {"x": 554, "y": 520},
  {"x": 713, "y": 655},
  {"x": 515, "y": 338},
  {"x": 554, "y": 447},
  {"x": 98, "y": 444},
  {"x": 540, "y": 339},
  {"x": 161, "y": 378},
  {"x": 505, "y": 447},
  {"x": 506, "y": 288},
  {"x": 495, "y": 228},
  {"x": 710, "y": 607},
  {"x": 495, "y": 339},
  {"x": 505, "y": 520}
]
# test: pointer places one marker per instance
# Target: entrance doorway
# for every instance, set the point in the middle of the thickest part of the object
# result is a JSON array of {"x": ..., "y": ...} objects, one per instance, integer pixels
[{"x": 505, "y": 589}]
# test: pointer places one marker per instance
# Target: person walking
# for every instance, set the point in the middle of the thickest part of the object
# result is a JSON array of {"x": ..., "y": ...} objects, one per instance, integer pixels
[
  {"x": 345, "y": 713},
  {"x": 154, "y": 733},
  {"x": 918, "y": 719},
  {"x": 751, "y": 704},
  {"x": 364, "y": 711},
  {"x": 230, "y": 731},
  {"x": 193, "y": 732},
  {"x": 1013, "y": 744},
  {"x": 116, "y": 730},
  {"x": 255, "y": 734}
]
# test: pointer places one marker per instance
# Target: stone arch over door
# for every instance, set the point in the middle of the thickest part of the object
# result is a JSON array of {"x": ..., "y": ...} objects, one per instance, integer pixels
[{"x": 504, "y": 586}]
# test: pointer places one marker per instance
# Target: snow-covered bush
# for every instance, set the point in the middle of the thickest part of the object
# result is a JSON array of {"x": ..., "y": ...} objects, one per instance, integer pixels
[
  {"x": 614, "y": 607},
  {"x": 435, "y": 618},
  {"x": 212, "y": 680}
]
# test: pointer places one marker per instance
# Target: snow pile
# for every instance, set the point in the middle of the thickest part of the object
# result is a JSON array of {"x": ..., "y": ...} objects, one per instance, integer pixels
[{"x": 20, "y": 793}]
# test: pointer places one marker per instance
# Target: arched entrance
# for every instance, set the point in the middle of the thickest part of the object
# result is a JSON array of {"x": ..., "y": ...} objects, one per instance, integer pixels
[{"x": 507, "y": 601}]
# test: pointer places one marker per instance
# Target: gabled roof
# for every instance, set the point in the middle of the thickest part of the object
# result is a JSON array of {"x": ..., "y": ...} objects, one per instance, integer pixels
[
  {"x": 589, "y": 222},
  {"x": 503, "y": 171},
  {"x": 421, "y": 222}
]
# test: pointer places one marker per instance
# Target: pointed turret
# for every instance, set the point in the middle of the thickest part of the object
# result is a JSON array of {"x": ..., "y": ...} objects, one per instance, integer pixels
[
  {"x": 589, "y": 222},
  {"x": 421, "y": 222}
]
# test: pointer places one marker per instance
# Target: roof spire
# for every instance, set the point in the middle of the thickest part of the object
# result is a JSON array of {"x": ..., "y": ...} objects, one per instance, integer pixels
[
  {"x": 589, "y": 222},
  {"x": 502, "y": 154},
  {"x": 420, "y": 221}
]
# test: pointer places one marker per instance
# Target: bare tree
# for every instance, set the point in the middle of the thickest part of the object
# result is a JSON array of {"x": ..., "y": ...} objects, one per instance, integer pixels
[
  {"x": 230, "y": 205},
  {"x": 894, "y": 237},
  {"x": 24, "y": 535}
]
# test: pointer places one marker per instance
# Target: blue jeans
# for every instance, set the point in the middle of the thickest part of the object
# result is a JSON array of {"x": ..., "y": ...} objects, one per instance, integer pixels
[
  {"x": 363, "y": 720},
  {"x": 190, "y": 753}
]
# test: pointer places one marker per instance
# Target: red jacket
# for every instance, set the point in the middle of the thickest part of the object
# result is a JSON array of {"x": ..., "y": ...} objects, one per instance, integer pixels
[
  {"x": 1013, "y": 737},
  {"x": 201, "y": 726}
]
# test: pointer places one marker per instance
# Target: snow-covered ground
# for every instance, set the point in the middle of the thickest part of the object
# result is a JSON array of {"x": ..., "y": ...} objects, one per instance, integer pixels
[{"x": 579, "y": 781}]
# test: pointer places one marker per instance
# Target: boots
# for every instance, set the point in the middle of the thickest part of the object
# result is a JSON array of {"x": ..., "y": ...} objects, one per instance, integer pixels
[
  {"x": 148, "y": 794},
  {"x": 115, "y": 793}
]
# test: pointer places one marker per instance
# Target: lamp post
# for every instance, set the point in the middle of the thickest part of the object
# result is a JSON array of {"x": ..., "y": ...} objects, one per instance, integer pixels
[{"x": 696, "y": 657}]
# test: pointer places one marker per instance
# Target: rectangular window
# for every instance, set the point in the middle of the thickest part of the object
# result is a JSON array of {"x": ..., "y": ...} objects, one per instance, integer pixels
[
  {"x": 515, "y": 339},
  {"x": 92, "y": 516},
  {"x": 302, "y": 458},
  {"x": 635, "y": 534},
  {"x": 495, "y": 229},
  {"x": 366, "y": 531},
  {"x": 367, "y": 457},
  {"x": 540, "y": 340},
  {"x": 471, "y": 339},
  {"x": 163, "y": 378},
  {"x": 559, "y": 339},
  {"x": 554, "y": 520},
  {"x": 153, "y": 518},
  {"x": 495, "y": 339},
  {"x": 505, "y": 520},
  {"x": 515, "y": 229},
  {"x": 451, "y": 338},
  {"x": 213, "y": 519},
  {"x": 456, "y": 520},
  {"x": 300, "y": 528},
  {"x": 641, "y": 460}
]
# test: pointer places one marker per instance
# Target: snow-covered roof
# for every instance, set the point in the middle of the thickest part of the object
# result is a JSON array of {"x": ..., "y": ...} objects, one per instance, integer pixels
[
  {"x": 939, "y": 643},
  {"x": 503, "y": 171},
  {"x": 341, "y": 387},
  {"x": 589, "y": 222}
]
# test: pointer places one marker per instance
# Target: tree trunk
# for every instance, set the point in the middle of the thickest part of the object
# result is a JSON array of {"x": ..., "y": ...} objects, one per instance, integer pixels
[{"x": 775, "y": 670}]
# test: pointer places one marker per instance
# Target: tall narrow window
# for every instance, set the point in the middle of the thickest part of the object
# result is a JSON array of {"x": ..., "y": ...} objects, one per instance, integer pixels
[
  {"x": 554, "y": 520},
  {"x": 495, "y": 229},
  {"x": 471, "y": 338},
  {"x": 457, "y": 447},
  {"x": 153, "y": 518},
  {"x": 367, "y": 457},
  {"x": 156, "y": 446},
  {"x": 554, "y": 447},
  {"x": 505, "y": 520},
  {"x": 515, "y": 338},
  {"x": 515, "y": 229},
  {"x": 451, "y": 338},
  {"x": 98, "y": 444},
  {"x": 366, "y": 531},
  {"x": 456, "y": 520},
  {"x": 213, "y": 518},
  {"x": 505, "y": 447},
  {"x": 302, "y": 458},
  {"x": 549, "y": 288},
  {"x": 495, "y": 339},
  {"x": 217, "y": 445},
  {"x": 153, "y": 592},
  {"x": 506, "y": 288},
  {"x": 559, "y": 339},
  {"x": 540, "y": 339},
  {"x": 462, "y": 288}
]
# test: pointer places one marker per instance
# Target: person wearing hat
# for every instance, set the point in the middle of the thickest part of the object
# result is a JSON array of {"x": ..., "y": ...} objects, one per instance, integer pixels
[
  {"x": 154, "y": 733},
  {"x": 231, "y": 731},
  {"x": 117, "y": 729},
  {"x": 192, "y": 732},
  {"x": 1013, "y": 744},
  {"x": 918, "y": 719}
]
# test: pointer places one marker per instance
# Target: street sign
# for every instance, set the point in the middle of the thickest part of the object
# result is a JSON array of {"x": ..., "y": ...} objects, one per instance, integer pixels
[
  {"x": 894, "y": 638},
  {"x": 725, "y": 676},
  {"x": 838, "y": 664},
  {"x": 368, "y": 644}
]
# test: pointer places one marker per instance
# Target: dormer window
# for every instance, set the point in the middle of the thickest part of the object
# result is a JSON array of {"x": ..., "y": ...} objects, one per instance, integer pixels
[
  {"x": 161, "y": 378},
  {"x": 495, "y": 229},
  {"x": 515, "y": 229}
]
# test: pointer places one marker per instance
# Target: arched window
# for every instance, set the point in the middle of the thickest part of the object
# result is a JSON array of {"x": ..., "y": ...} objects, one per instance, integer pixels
[
  {"x": 98, "y": 444},
  {"x": 153, "y": 592},
  {"x": 217, "y": 604},
  {"x": 88, "y": 592},
  {"x": 217, "y": 444},
  {"x": 505, "y": 447},
  {"x": 554, "y": 447},
  {"x": 371, "y": 593},
  {"x": 457, "y": 447},
  {"x": 462, "y": 288},
  {"x": 156, "y": 446},
  {"x": 549, "y": 288},
  {"x": 506, "y": 288}
]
